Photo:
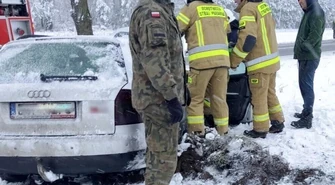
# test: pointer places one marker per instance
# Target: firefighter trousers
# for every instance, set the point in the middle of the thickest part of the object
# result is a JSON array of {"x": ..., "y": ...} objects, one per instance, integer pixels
[
  {"x": 216, "y": 80},
  {"x": 265, "y": 102}
]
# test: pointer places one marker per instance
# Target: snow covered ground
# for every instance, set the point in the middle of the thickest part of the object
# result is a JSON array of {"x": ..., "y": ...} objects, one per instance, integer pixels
[
  {"x": 302, "y": 148},
  {"x": 313, "y": 148},
  {"x": 289, "y": 35}
]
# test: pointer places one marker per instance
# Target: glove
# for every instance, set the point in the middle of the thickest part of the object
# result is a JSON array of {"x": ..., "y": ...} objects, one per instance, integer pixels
[
  {"x": 231, "y": 45},
  {"x": 175, "y": 110},
  {"x": 188, "y": 97}
]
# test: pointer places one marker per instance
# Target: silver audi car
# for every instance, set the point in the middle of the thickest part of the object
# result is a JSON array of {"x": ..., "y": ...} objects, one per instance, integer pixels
[{"x": 65, "y": 108}]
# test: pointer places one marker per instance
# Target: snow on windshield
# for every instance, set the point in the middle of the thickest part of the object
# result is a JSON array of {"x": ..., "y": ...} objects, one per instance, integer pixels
[{"x": 25, "y": 62}]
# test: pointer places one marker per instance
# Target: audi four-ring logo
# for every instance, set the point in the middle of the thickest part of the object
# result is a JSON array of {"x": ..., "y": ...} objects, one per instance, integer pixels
[{"x": 39, "y": 94}]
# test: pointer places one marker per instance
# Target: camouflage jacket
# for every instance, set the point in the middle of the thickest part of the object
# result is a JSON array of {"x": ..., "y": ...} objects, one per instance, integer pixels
[{"x": 156, "y": 49}]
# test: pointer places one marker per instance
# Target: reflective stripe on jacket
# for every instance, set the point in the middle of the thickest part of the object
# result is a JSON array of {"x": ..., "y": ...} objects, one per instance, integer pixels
[
  {"x": 205, "y": 26},
  {"x": 256, "y": 21}
]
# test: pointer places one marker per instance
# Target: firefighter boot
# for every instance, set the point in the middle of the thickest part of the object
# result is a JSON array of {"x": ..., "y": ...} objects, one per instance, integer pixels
[
  {"x": 222, "y": 130},
  {"x": 276, "y": 127},
  {"x": 255, "y": 134},
  {"x": 304, "y": 122},
  {"x": 199, "y": 134}
]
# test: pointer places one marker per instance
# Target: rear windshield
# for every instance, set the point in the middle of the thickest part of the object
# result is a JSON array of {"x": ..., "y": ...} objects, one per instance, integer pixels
[{"x": 24, "y": 63}]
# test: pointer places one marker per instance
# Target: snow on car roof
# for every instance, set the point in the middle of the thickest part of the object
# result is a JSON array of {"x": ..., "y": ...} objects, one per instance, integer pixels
[
  {"x": 120, "y": 30},
  {"x": 76, "y": 38}
]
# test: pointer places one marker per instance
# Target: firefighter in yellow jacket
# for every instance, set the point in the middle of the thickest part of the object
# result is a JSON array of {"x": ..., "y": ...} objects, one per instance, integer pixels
[
  {"x": 257, "y": 46},
  {"x": 205, "y": 26}
]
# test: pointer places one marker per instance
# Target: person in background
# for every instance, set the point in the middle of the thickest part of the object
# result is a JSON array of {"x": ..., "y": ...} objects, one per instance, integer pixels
[
  {"x": 307, "y": 50},
  {"x": 158, "y": 88},
  {"x": 257, "y": 47}
]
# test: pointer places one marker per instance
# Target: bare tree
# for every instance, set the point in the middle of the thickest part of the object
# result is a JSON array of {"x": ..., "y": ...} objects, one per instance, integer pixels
[{"x": 81, "y": 17}]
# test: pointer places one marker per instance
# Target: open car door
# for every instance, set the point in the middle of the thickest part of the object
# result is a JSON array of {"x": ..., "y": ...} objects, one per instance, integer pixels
[{"x": 238, "y": 98}]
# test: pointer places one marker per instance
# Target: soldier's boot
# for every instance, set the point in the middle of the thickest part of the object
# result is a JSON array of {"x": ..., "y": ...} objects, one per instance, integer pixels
[
  {"x": 276, "y": 126},
  {"x": 304, "y": 122},
  {"x": 222, "y": 130},
  {"x": 255, "y": 134}
]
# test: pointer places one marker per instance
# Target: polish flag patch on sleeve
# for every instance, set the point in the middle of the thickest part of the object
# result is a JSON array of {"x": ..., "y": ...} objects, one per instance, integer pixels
[{"x": 155, "y": 14}]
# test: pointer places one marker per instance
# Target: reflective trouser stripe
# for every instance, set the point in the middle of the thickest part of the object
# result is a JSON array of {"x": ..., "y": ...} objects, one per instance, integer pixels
[
  {"x": 221, "y": 121},
  {"x": 207, "y": 54},
  {"x": 275, "y": 109},
  {"x": 265, "y": 37},
  {"x": 261, "y": 118},
  {"x": 200, "y": 34},
  {"x": 183, "y": 18},
  {"x": 192, "y": 120}
]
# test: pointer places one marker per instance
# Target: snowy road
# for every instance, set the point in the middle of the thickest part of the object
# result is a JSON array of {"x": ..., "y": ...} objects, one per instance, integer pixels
[{"x": 287, "y": 48}]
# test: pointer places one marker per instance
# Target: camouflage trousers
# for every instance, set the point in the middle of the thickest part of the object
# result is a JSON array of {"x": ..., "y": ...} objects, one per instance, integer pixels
[{"x": 162, "y": 143}]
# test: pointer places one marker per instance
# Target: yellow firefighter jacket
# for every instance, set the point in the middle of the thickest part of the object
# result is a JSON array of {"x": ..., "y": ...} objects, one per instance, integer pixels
[
  {"x": 257, "y": 43},
  {"x": 205, "y": 26}
]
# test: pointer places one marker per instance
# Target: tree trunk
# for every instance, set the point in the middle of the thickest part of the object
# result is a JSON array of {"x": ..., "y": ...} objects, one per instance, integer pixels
[{"x": 81, "y": 17}]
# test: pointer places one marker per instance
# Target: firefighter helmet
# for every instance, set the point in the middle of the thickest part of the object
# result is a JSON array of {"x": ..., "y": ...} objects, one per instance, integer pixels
[{"x": 230, "y": 15}]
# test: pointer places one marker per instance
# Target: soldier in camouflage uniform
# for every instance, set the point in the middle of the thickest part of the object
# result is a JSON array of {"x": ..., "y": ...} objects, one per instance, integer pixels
[{"x": 158, "y": 88}]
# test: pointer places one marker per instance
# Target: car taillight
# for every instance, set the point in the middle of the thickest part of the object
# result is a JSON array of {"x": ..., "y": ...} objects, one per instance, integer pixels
[{"x": 125, "y": 114}]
